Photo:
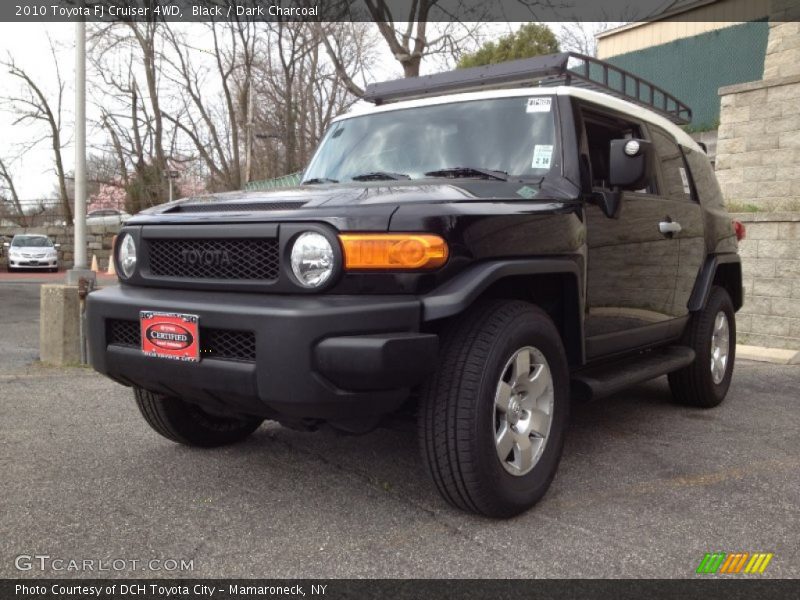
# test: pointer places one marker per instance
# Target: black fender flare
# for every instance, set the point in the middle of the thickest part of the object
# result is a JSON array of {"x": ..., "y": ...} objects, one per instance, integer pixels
[
  {"x": 705, "y": 280},
  {"x": 459, "y": 293}
]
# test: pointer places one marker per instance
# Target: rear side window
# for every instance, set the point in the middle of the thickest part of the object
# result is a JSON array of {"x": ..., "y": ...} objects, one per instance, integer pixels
[
  {"x": 706, "y": 188},
  {"x": 675, "y": 183},
  {"x": 599, "y": 130}
]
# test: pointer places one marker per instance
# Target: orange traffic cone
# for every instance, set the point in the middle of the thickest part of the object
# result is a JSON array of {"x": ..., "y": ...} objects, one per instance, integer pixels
[
  {"x": 94, "y": 266},
  {"x": 111, "y": 269}
]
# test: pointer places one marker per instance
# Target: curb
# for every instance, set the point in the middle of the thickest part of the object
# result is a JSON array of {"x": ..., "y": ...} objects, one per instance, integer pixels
[{"x": 776, "y": 356}]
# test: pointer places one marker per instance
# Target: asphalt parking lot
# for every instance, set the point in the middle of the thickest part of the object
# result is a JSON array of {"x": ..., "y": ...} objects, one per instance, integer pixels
[{"x": 645, "y": 487}]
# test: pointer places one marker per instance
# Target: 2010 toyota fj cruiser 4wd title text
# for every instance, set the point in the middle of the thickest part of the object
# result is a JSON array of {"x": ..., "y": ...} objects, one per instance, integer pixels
[{"x": 478, "y": 246}]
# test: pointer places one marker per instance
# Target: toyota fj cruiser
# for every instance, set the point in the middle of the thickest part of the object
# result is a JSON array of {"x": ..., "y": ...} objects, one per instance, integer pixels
[{"x": 480, "y": 246}]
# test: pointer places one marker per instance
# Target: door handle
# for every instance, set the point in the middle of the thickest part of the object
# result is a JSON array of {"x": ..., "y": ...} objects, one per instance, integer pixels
[{"x": 669, "y": 227}]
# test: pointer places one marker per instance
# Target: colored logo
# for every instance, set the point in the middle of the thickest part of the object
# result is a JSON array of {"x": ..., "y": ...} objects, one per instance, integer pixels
[
  {"x": 169, "y": 336},
  {"x": 736, "y": 562}
]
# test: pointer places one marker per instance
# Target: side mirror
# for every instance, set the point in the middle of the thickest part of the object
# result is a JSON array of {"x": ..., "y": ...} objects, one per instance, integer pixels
[
  {"x": 630, "y": 164},
  {"x": 609, "y": 201},
  {"x": 57, "y": 246},
  {"x": 6, "y": 245}
]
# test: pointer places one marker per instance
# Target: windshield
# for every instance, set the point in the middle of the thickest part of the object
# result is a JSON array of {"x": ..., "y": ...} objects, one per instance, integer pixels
[
  {"x": 515, "y": 136},
  {"x": 31, "y": 241}
]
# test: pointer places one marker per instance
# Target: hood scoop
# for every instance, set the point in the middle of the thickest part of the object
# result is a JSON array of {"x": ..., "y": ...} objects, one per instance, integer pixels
[{"x": 198, "y": 207}]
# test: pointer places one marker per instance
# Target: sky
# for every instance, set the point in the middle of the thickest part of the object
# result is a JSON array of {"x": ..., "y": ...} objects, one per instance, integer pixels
[{"x": 28, "y": 44}]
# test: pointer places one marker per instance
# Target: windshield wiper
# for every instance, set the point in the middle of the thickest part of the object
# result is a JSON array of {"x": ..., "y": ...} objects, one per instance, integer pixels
[
  {"x": 379, "y": 175},
  {"x": 469, "y": 172},
  {"x": 320, "y": 180}
]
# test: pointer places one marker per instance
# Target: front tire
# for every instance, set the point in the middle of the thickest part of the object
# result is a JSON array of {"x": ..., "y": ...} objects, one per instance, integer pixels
[
  {"x": 188, "y": 424},
  {"x": 493, "y": 416},
  {"x": 712, "y": 335}
]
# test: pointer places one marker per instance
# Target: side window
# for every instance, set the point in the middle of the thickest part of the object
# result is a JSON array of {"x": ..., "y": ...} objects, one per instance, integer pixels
[
  {"x": 706, "y": 188},
  {"x": 599, "y": 130},
  {"x": 674, "y": 177}
]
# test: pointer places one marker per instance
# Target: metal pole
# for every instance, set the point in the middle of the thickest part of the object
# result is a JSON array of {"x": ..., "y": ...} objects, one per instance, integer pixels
[
  {"x": 170, "y": 187},
  {"x": 80, "y": 267},
  {"x": 80, "y": 145},
  {"x": 248, "y": 142}
]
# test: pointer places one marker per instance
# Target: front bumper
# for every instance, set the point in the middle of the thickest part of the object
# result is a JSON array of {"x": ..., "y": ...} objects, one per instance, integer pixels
[
  {"x": 33, "y": 263},
  {"x": 325, "y": 357}
]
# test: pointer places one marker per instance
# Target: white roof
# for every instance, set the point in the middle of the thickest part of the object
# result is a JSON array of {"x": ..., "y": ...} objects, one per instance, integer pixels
[{"x": 599, "y": 98}]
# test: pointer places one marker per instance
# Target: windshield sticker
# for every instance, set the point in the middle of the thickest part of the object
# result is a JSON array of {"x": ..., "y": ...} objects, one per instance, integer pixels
[
  {"x": 526, "y": 191},
  {"x": 538, "y": 105},
  {"x": 685, "y": 181},
  {"x": 541, "y": 156}
]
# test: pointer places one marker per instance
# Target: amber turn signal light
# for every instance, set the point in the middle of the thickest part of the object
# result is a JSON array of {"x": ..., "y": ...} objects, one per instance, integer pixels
[{"x": 393, "y": 251}]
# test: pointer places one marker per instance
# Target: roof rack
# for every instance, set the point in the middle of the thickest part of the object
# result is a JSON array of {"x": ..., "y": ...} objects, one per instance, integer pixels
[{"x": 565, "y": 68}]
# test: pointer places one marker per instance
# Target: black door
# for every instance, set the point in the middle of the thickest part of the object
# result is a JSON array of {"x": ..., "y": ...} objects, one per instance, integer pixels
[{"x": 634, "y": 262}]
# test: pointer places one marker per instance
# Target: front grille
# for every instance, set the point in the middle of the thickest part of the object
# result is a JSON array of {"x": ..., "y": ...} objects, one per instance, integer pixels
[
  {"x": 236, "y": 206},
  {"x": 242, "y": 259},
  {"x": 223, "y": 344},
  {"x": 123, "y": 333},
  {"x": 228, "y": 344}
]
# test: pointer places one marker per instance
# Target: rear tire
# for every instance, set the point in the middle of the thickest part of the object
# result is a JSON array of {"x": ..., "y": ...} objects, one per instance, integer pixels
[
  {"x": 188, "y": 424},
  {"x": 480, "y": 395},
  {"x": 712, "y": 335}
]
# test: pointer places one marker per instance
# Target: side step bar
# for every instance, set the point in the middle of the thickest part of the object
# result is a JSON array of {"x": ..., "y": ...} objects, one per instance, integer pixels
[{"x": 606, "y": 379}]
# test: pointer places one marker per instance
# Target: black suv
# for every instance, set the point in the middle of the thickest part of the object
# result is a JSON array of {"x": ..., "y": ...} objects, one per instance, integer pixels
[{"x": 471, "y": 247}]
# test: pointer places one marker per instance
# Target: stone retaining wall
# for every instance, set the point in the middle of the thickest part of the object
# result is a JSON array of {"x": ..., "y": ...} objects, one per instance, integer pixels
[
  {"x": 99, "y": 240},
  {"x": 771, "y": 271},
  {"x": 758, "y": 167},
  {"x": 758, "y": 152}
]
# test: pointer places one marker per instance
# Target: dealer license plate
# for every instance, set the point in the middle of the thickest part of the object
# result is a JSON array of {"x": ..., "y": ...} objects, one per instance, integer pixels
[{"x": 170, "y": 335}]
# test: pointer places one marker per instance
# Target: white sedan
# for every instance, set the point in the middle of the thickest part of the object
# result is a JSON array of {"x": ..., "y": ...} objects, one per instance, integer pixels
[{"x": 30, "y": 251}]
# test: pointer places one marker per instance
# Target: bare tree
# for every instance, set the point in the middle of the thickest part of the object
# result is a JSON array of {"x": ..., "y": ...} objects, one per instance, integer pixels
[
  {"x": 581, "y": 37},
  {"x": 218, "y": 126},
  {"x": 411, "y": 38},
  {"x": 242, "y": 100},
  {"x": 349, "y": 47},
  {"x": 33, "y": 105},
  {"x": 8, "y": 192},
  {"x": 128, "y": 58},
  {"x": 300, "y": 89}
]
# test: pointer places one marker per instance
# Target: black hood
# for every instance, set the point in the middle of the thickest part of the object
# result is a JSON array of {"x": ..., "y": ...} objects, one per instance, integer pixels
[
  {"x": 373, "y": 201},
  {"x": 349, "y": 194}
]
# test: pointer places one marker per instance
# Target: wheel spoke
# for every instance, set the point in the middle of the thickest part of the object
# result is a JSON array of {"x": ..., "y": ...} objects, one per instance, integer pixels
[
  {"x": 523, "y": 453},
  {"x": 502, "y": 396},
  {"x": 537, "y": 383},
  {"x": 522, "y": 367},
  {"x": 540, "y": 423},
  {"x": 504, "y": 440}
]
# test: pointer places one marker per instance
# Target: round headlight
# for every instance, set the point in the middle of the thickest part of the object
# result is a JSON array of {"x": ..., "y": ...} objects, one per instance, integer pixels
[
  {"x": 312, "y": 259},
  {"x": 126, "y": 257}
]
